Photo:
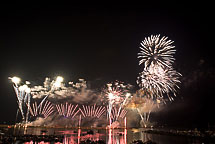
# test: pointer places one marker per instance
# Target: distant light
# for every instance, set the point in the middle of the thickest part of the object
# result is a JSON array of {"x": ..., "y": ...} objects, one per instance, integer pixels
[{"x": 15, "y": 80}]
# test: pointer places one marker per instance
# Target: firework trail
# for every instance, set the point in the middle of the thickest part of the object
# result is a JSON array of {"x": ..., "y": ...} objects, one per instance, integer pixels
[
  {"x": 45, "y": 110},
  {"x": 127, "y": 96},
  {"x": 144, "y": 106},
  {"x": 28, "y": 104},
  {"x": 67, "y": 110},
  {"x": 22, "y": 94},
  {"x": 117, "y": 113},
  {"x": 92, "y": 111},
  {"x": 156, "y": 51},
  {"x": 79, "y": 122},
  {"x": 19, "y": 94}
]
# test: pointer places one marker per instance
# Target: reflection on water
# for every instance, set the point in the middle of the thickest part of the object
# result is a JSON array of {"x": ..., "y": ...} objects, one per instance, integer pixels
[{"x": 109, "y": 136}]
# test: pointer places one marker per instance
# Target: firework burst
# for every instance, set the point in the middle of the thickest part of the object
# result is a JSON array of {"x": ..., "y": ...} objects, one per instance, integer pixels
[
  {"x": 158, "y": 77},
  {"x": 158, "y": 81},
  {"x": 156, "y": 51}
]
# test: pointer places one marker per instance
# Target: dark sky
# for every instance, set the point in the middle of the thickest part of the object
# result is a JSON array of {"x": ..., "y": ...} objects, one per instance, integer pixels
[{"x": 100, "y": 43}]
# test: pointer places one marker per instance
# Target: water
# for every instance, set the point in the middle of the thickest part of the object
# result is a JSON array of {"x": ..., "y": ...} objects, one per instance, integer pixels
[{"x": 109, "y": 136}]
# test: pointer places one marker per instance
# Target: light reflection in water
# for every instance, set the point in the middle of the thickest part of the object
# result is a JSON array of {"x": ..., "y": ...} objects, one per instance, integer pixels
[
  {"x": 117, "y": 137},
  {"x": 108, "y": 136},
  {"x": 113, "y": 136}
]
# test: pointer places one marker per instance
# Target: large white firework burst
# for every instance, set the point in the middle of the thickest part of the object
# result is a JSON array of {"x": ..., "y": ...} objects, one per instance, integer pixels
[
  {"x": 156, "y": 51},
  {"x": 158, "y": 81}
]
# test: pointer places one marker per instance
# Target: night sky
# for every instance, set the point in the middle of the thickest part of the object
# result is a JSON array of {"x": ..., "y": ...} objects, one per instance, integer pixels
[{"x": 100, "y": 44}]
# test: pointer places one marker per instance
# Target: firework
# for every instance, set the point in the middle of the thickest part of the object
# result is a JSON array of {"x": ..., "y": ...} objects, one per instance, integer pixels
[
  {"x": 158, "y": 81},
  {"x": 116, "y": 93},
  {"x": 117, "y": 113},
  {"x": 23, "y": 96},
  {"x": 48, "y": 88},
  {"x": 28, "y": 96},
  {"x": 54, "y": 85},
  {"x": 66, "y": 110},
  {"x": 51, "y": 89},
  {"x": 158, "y": 77},
  {"x": 44, "y": 111},
  {"x": 58, "y": 90},
  {"x": 156, "y": 51},
  {"x": 144, "y": 106},
  {"x": 92, "y": 111},
  {"x": 15, "y": 80}
]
